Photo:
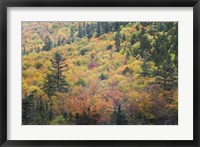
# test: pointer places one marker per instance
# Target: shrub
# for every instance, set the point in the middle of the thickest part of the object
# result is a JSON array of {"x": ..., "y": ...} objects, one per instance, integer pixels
[
  {"x": 81, "y": 81},
  {"x": 83, "y": 51},
  {"x": 103, "y": 76},
  {"x": 38, "y": 65}
]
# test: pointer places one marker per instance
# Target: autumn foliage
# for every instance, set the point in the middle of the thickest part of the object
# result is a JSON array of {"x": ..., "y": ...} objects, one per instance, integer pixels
[{"x": 100, "y": 73}]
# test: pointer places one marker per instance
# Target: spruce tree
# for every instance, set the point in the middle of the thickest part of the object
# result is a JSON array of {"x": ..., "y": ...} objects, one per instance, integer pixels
[
  {"x": 80, "y": 31},
  {"x": 28, "y": 105},
  {"x": 24, "y": 52},
  {"x": 123, "y": 37},
  {"x": 121, "y": 117},
  {"x": 164, "y": 59},
  {"x": 49, "y": 86},
  {"x": 146, "y": 69},
  {"x": 134, "y": 39},
  {"x": 56, "y": 69},
  {"x": 59, "y": 41},
  {"x": 55, "y": 81},
  {"x": 71, "y": 38},
  {"x": 98, "y": 32},
  {"x": 89, "y": 32},
  {"x": 117, "y": 41},
  {"x": 48, "y": 44},
  {"x": 42, "y": 115},
  {"x": 107, "y": 27},
  {"x": 117, "y": 26}
]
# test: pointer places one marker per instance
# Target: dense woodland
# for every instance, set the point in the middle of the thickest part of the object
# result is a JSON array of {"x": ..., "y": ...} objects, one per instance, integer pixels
[{"x": 99, "y": 73}]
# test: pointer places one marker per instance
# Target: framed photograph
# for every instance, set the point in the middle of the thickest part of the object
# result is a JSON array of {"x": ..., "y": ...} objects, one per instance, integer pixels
[{"x": 92, "y": 72}]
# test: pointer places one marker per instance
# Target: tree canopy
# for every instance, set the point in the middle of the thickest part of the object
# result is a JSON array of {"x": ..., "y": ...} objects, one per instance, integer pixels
[{"x": 100, "y": 73}]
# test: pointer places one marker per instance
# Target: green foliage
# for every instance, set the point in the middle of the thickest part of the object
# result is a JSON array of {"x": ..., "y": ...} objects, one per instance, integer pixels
[
  {"x": 109, "y": 47},
  {"x": 38, "y": 65},
  {"x": 146, "y": 69},
  {"x": 41, "y": 113},
  {"x": 59, "y": 42},
  {"x": 134, "y": 39},
  {"x": 59, "y": 120},
  {"x": 56, "y": 69},
  {"x": 34, "y": 111},
  {"x": 24, "y": 52},
  {"x": 83, "y": 119},
  {"x": 49, "y": 86},
  {"x": 25, "y": 65},
  {"x": 48, "y": 44},
  {"x": 117, "y": 41},
  {"x": 166, "y": 72},
  {"x": 80, "y": 62},
  {"x": 83, "y": 51},
  {"x": 103, "y": 76},
  {"x": 98, "y": 33},
  {"x": 121, "y": 118},
  {"x": 28, "y": 105},
  {"x": 81, "y": 82},
  {"x": 127, "y": 71}
]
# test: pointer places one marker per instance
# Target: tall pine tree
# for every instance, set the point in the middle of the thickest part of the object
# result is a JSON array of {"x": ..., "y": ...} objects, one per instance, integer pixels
[
  {"x": 55, "y": 81},
  {"x": 56, "y": 69}
]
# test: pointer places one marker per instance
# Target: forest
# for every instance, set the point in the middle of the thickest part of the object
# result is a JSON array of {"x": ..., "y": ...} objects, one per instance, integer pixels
[{"x": 99, "y": 73}]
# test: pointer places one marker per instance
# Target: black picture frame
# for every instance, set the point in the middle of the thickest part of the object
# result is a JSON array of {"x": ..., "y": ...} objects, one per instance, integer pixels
[{"x": 4, "y": 4}]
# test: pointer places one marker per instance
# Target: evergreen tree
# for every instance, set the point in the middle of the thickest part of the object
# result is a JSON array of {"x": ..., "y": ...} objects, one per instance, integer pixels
[
  {"x": 103, "y": 27},
  {"x": 117, "y": 41},
  {"x": 134, "y": 39},
  {"x": 55, "y": 81},
  {"x": 98, "y": 32},
  {"x": 137, "y": 27},
  {"x": 146, "y": 69},
  {"x": 124, "y": 37},
  {"x": 142, "y": 33},
  {"x": 50, "y": 89},
  {"x": 71, "y": 38},
  {"x": 89, "y": 31},
  {"x": 24, "y": 52},
  {"x": 109, "y": 47},
  {"x": 145, "y": 47},
  {"x": 83, "y": 119},
  {"x": 84, "y": 30},
  {"x": 117, "y": 26},
  {"x": 80, "y": 31},
  {"x": 164, "y": 54},
  {"x": 121, "y": 117},
  {"x": 107, "y": 27},
  {"x": 48, "y": 44},
  {"x": 113, "y": 117},
  {"x": 164, "y": 59},
  {"x": 59, "y": 41},
  {"x": 57, "y": 65},
  {"x": 28, "y": 105},
  {"x": 42, "y": 114},
  {"x": 162, "y": 27},
  {"x": 49, "y": 86}
]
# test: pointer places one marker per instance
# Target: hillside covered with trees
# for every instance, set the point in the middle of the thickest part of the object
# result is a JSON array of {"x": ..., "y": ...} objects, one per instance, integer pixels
[{"x": 99, "y": 73}]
